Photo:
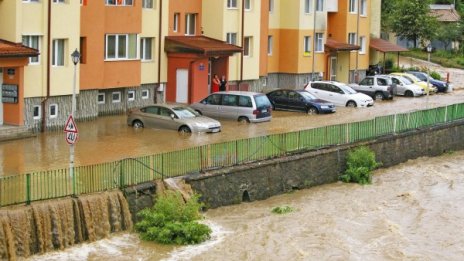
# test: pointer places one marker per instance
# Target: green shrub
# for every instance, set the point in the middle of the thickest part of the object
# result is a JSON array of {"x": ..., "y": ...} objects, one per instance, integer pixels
[
  {"x": 171, "y": 221},
  {"x": 435, "y": 75},
  {"x": 360, "y": 163},
  {"x": 282, "y": 210}
]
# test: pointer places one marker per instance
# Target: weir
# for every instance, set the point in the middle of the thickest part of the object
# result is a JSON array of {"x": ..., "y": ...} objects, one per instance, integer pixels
[{"x": 55, "y": 225}]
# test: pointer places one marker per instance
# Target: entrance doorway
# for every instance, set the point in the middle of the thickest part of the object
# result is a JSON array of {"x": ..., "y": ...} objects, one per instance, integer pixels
[
  {"x": 182, "y": 85},
  {"x": 1, "y": 103},
  {"x": 333, "y": 68}
]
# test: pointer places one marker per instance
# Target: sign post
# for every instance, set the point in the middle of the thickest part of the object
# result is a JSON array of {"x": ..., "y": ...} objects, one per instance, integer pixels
[{"x": 72, "y": 134}]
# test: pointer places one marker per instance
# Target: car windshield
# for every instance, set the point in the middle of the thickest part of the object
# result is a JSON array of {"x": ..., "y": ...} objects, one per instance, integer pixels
[
  {"x": 347, "y": 89},
  {"x": 262, "y": 101},
  {"x": 184, "y": 112},
  {"x": 405, "y": 80},
  {"x": 308, "y": 96}
]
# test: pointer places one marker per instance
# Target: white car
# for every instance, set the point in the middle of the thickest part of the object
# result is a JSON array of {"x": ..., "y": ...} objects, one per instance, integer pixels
[
  {"x": 338, "y": 93},
  {"x": 406, "y": 87}
]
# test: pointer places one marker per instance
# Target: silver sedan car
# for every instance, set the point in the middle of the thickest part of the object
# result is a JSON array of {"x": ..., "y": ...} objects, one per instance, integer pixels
[{"x": 173, "y": 117}]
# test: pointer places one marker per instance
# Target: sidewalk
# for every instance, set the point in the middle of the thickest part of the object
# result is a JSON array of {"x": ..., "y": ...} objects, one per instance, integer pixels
[{"x": 8, "y": 132}]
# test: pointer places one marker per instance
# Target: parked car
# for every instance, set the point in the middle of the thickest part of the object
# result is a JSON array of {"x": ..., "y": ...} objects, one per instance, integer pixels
[
  {"x": 299, "y": 100},
  {"x": 237, "y": 105},
  {"x": 442, "y": 86},
  {"x": 406, "y": 87},
  {"x": 378, "y": 87},
  {"x": 338, "y": 93},
  {"x": 171, "y": 116},
  {"x": 430, "y": 89}
]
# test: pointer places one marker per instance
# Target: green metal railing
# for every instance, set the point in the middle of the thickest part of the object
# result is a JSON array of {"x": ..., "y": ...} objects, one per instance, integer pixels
[{"x": 100, "y": 177}]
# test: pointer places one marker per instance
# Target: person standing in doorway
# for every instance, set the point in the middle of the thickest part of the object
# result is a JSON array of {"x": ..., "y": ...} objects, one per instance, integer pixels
[
  {"x": 215, "y": 84},
  {"x": 223, "y": 84}
]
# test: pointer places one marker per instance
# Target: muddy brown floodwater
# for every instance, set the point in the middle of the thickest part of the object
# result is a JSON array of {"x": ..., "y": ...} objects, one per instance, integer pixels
[
  {"x": 412, "y": 211},
  {"x": 109, "y": 138}
]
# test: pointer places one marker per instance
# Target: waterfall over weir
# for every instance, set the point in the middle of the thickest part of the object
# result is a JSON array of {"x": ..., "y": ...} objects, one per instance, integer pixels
[{"x": 57, "y": 224}]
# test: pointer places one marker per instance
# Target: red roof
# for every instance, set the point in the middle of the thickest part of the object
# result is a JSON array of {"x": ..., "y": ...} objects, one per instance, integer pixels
[
  {"x": 10, "y": 49},
  {"x": 385, "y": 46},
  {"x": 446, "y": 15},
  {"x": 340, "y": 46},
  {"x": 200, "y": 45}
]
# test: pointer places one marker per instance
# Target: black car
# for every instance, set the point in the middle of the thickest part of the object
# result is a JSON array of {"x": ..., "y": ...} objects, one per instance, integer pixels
[{"x": 299, "y": 100}]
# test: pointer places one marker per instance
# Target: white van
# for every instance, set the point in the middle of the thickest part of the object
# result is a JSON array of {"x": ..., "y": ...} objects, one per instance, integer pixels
[{"x": 236, "y": 105}]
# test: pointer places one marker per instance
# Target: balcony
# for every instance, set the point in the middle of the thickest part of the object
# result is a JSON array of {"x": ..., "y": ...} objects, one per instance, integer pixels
[{"x": 332, "y": 6}]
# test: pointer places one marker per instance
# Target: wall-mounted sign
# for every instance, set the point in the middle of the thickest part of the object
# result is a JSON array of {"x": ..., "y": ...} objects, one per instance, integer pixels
[
  {"x": 10, "y": 71},
  {"x": 10, "y": 93},
  {"x": 201, "y": 67}
]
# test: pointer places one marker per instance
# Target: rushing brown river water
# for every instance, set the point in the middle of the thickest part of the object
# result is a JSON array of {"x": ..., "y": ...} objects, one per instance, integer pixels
[{"x": 412, "y": 211}]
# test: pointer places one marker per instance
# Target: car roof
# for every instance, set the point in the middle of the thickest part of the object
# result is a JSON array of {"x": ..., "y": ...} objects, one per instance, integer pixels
[
  {"x": 285, "y": 89},
  {"x": 330, "y": 82},
  {"x": 167, "y": 105},
  {"x": 239, "y": 93}
]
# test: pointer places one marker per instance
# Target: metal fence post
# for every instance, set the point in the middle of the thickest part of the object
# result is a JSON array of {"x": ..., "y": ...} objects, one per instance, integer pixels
[{"x": 28, "y": 189}]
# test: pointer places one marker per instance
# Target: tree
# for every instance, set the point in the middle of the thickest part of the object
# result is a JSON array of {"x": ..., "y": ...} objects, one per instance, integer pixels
[{"x": 410, "y": 20}]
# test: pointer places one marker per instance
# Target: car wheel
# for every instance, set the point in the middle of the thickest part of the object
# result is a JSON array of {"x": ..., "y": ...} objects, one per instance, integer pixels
[
  {"x": 379, "y": 96},
  {"x": 351, "y": 104},
  {"x": 243, "y": 119},
  {"x": 199, "y": 112},
  {"x": 137, "y": 124},
  {"x": 185, "y": 129},
  {"x": 409, "y": 94},
  {"x": 312, "y": 110}
]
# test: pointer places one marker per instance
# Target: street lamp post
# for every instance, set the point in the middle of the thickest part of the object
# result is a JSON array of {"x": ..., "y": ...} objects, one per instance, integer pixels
[
  {"x": 429, "y": 51},
  {"x": 75, "y": 59}
]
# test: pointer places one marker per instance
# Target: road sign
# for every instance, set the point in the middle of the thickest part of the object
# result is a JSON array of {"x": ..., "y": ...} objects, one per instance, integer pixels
[
  {"x": 71, "y": 137},
  {"x": 70, "y": 125}
]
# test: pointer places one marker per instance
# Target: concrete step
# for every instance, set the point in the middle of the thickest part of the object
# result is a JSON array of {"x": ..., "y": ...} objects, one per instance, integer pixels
[{"x": 15, "y": 132}]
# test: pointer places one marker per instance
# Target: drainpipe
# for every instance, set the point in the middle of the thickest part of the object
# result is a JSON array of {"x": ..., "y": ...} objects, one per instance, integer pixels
[
  {"x": 159, "y": 48},
  {"x": 356, "y": 77},
  {"x": 314, "y": 43},
  {"x": 243, "y": 41},
  {"x": 44, "y": 101}
]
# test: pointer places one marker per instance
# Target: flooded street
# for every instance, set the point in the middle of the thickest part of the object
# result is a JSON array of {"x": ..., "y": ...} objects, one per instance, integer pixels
[
  {"x": 110, "y": 139},
  {"x": 412, "y": 211}
]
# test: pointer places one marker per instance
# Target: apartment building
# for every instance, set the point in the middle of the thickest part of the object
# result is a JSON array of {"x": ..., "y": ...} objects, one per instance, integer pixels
[{"x": 136, "y": 52}]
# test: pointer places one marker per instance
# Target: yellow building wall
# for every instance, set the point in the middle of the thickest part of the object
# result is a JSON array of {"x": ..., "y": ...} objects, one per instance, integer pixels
[
  {"x": 212, "y": 18},
  {"x": 150, "y": 28},
  {"x": 252, "y": 29},
  {"x": 9, "y": 20},
  {"x": 374, "y": 16},
  {"x": 343, "y": 62}
]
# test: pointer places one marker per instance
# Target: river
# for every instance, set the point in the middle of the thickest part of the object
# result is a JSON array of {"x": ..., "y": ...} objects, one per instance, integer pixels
[{"x": 412, "y": 211}]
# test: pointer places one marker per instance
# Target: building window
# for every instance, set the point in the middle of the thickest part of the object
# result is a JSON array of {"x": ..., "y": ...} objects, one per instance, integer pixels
[
  {"x": 58, "y": 52},
  {"x": 352, "y": 38},
  {"x": 362, "y": 43},
  {"x": 146, "y": 48},
  {"x": 83, "y": 49},
  {"x": 319, "y": 5},
  {"x": 353, "y": 8},
  {"x": 59, "y": 1},
  {"x": 271, "y": 6},
  {"x": 116, "y": 97},
  {"x": 363, "y": 7},
  {"x": 231, "y": 38},
  {"x": 190, "y": 23},
  {"x": 319, "y": 42},
  {"x": 53, "y": 110},
  {"x": 33, "y": 42},
  {"x": 307, "y": 45},
  {"x": 145, "y": 94},
  {"x": 269, "y": 44},
  {"x": 308, "y": 4},
  {"x": 247, "y": 46},
  {"x": 248, "y": 5},
  {"x": 131, "y": 95},
  {"x": 30, "y": 1},
  {"x": 175, "y": 27},
  {"x": 101, "y": 98},
  {"x": 119, "y": 2},
  {"x": 231, "y": 3},
  {"x": 147, "y": 4},
  {"x": 121, "y": 46},
  {"x": 36, "y": 112}
]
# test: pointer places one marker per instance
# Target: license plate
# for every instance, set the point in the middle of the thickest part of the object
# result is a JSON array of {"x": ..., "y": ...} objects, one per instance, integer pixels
[
  {"x": 264, "y": 111},
  {"x": 215, "y": 130}
]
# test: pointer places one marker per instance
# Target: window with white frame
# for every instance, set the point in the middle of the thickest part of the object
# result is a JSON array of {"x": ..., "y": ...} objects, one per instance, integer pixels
[
  {"x": 116, "y": 97},
  {"x": 119, "y": 2},
  {"x": 353, "y": 6},
  {"x": 308, "y": 6},
  {"x": 231, "y": 3},
  {"x": 352, "y": 38},
  {"x": 146, "y": 48},
  {"x": 307, "y": 45},
  {"x": 270, "y": 43},
  {"x": 30, "y": 1},
  {"x": 145, "y": 94},
  {"x": 101, "y": 98},
  {"x": 271, "y": 6},
  {"x": 231, "y": 38},
  {"x": 175, "y": 26},
  {"x": 59, "y": 1},
  {"x": 190, "y": 24},
  {"x": 32, "y": 41},
  {"x": 319, "y": 5},
  {"x": 147, "y": 4},
  {"x": 247, "y": 46},
  {"x": 363, "y": 7},
  {"x": 53, "y": 110},
  {"x": 319, "y": 42},
  {"x": 121, "y": 46},
  {"x": 36, "y": 112},
  {"x": 362, "y": 44},
  {"x": 131, "y": 95},
  {"x": 248, "y": 5},
  {"x": 58, "y": 52}
]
